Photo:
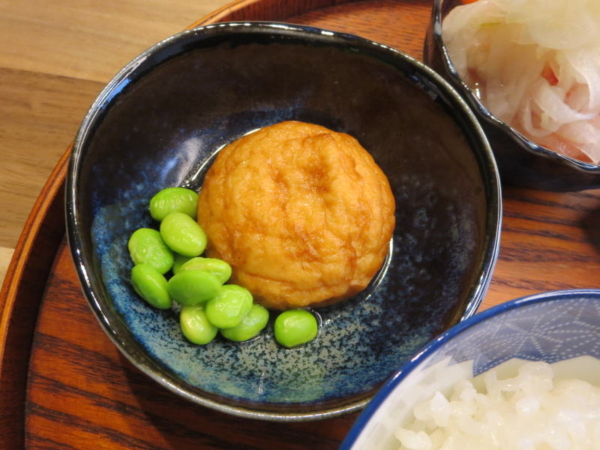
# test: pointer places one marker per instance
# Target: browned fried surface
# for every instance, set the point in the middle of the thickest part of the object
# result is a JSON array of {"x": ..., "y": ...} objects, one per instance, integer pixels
[{"x": 303, "y": 214}]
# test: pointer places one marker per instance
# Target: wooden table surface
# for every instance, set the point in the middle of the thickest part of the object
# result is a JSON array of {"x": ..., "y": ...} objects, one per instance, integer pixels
[{"x": 55, "y": 56}]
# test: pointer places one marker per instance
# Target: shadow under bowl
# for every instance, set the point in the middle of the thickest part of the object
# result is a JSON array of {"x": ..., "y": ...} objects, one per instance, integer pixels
[
  {"x": 161, "y": 121},
  {"x": 521, "y": 161}
]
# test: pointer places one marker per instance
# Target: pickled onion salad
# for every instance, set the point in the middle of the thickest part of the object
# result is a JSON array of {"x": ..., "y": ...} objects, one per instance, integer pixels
[
  {"x": 535, "y": 64},
  {"x": 534, "y": 410}
]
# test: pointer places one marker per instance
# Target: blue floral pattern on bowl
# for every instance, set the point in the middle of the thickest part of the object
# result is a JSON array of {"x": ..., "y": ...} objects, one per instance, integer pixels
[{"x": 550, "y": 331}]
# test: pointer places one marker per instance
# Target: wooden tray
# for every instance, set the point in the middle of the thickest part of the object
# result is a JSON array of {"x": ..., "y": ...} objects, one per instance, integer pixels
[{"x": 64, "y": 385}]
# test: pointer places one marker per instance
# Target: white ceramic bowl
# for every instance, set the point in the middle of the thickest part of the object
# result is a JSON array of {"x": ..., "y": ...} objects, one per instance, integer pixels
[{"x": 561, "y": 328}]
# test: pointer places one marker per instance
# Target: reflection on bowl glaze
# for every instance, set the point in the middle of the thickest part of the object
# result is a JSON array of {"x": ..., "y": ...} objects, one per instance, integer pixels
[{"x": 160, "y": 123}]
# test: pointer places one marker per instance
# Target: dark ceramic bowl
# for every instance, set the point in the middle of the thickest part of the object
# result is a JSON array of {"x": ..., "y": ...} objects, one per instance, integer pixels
[
  {"x": 559, "y": 328},
  {"x": 520, "y": 161},
  {"x": 161, "y": 121}
]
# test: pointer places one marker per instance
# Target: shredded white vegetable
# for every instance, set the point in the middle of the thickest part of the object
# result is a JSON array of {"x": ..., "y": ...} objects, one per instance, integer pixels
[
  {"x": 532, "y": 411},
  {"x": 536, "y": 65}
]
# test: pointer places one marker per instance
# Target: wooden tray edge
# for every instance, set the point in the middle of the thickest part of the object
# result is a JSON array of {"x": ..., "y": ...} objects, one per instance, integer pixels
[
  {"x": 276, "y": 10},
  {"x": 20, "y": 300}
]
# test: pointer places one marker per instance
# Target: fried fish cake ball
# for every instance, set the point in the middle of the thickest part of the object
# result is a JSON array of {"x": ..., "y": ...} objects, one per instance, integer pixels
[{"x": 303, "y": 214}]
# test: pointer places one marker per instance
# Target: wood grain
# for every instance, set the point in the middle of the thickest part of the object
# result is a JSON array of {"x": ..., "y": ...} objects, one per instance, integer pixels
[
  {"x": 550, "y": 241},
  {"x": 39, "y": 115},
  {"x": 55, "y": 56},
  {"x": 403, "y": 21},
  {"x": 5, "y": 257},
  {"x": 88, "y": 40},
  {"x": 275, "y": 10},
  {"x": 83, "y": 394},
  {"x": 20, "y": 300}
]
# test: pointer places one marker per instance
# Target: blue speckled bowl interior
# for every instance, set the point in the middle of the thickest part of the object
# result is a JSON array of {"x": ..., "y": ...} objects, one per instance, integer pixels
[
  {"x": 555, "y": 327},
  {"x": 161, "y": 121}
]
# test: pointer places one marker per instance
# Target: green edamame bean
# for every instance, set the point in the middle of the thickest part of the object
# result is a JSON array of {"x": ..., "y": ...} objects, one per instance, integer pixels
[
  {"x": 146, "y": 246},
  {"x": 250, "y": 326},
  {"x": 229, "y": 307},
  {"x": 195, "y": 326},
  {"x": 193, "y": 287},
  {"x": 174, "y": 199},
  {"x": 295, "y": 327},
  {"x": 217, "y": 267},
  {"x": 183, "y": 235},
  {"x": 178, "y": 262},
  {"x": 151, "y": 286}
]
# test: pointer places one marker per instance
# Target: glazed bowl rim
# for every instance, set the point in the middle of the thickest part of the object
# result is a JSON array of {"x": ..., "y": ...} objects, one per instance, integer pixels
[
  {"x": 429, "y": 349},
  {"x": 527, "y": 144},
  {"x": 84, "y": 264}
]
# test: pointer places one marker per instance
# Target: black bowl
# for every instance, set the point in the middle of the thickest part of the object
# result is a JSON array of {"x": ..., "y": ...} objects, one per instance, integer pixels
[
  {"x": 521, "y": 161},
  {"x": 164, "y": 117}
]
